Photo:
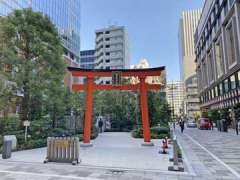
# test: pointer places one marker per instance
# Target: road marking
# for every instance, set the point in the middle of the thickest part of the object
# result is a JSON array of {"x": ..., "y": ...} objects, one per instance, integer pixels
[
  {"x": 47, "y": 175},
  {"x": 215, "y": 157},
  {"x": 187, "y": 161}
]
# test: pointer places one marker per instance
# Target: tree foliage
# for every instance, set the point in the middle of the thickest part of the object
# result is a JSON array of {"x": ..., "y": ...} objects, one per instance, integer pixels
[{"x": 31, "y": 49}]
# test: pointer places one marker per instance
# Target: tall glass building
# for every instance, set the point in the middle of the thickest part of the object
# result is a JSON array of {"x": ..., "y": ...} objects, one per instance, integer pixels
[{"x": 65, "y": 14}]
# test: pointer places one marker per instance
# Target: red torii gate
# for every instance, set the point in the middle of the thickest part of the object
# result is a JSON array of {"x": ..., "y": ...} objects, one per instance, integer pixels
[{"x": 90, "y": 86}]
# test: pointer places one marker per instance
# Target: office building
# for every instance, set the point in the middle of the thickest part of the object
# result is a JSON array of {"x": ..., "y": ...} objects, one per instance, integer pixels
[
  {"x": 65, "y": 14},
  {"x": 174, "y": 93},
  {"x": 217, "y": 48},
  {"x": 87, "y": 59},
  {"x": 187, "y": 26},
  {"x": 112, "y": 51}
]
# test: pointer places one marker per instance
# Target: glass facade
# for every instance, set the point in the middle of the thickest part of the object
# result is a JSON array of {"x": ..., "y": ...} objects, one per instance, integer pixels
[
  {"x": 65, "y": 14},
  {"x": 87, "y": 59}
]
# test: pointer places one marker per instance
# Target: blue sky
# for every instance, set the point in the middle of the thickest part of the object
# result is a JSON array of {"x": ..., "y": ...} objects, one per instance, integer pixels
[{"x": 152, "y": 26}]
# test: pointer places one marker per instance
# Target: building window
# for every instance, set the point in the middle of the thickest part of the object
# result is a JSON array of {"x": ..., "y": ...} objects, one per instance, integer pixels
[
  {"x": 213, "y": 93},
  {"x": 233, "y": 82},
  {"x": 204, "y": 75},
  {"x": 210, "y": 67},
  {"x": 107, "y": 39},
  {"x": 216, "y": 91},
  {"x": 231, "y": 3},
  {"x": 238, "y": 76},
  {"x": 108, "y": 67},
  {"x": 107, "y": 32},
  {"x": 218, "y": 57},
  {"x": 221, "y": 89},
  {"x": 107, "y": 53},
  {"x": 230, "y": 44},
  {"x": 107, "y": 46},
  {"x": 226, "y": 86},
  {"x": 107, "y": 61}
]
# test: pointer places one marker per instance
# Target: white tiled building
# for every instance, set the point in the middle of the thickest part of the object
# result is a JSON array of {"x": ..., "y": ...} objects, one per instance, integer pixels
[{"x": 112, "y": 51}]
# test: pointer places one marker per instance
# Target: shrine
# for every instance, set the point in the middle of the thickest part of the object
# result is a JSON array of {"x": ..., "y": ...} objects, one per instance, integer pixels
[{"x": 116, "y": 74}]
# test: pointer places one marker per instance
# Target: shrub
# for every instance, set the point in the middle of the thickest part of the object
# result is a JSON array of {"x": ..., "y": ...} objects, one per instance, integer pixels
[
  {"x": 59, "y": 132},
  {"x": 156, "y": 132},
  {"x": 159, "y": 130},
  {"x": 8, "y": 125},
  {"x": 32, "y": 144},
  {"x": 94, "y": 133},
  {"x": 179, "y": 152}
]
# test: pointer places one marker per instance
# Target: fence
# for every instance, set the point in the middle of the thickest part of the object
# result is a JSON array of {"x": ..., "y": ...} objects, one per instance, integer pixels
[{"x": 63, "y": 149}]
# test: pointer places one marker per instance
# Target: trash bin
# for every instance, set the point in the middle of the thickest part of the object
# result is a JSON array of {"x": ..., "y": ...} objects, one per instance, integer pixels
[{"x": 7, "y": 149}]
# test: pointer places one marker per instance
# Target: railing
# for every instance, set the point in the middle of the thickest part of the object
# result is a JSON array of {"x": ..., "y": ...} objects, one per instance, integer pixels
[{"x": 63, "y": 149}]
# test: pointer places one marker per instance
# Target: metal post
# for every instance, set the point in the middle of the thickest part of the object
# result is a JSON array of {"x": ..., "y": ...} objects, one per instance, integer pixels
[
  {"x": 176, "y": 166},
  {"x": 25, "y": 134},
  {"x": 175, "y": 152}
]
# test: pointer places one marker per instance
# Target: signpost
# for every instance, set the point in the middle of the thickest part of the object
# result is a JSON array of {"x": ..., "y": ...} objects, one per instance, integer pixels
[{"x": 26, "y": 124}]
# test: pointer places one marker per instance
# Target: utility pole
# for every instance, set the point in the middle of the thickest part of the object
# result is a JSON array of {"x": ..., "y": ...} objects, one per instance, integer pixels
[{"x": 172, "y": 102}]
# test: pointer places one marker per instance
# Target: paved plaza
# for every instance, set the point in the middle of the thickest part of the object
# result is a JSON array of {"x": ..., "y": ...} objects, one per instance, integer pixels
[{"x": 207, "y": 155}]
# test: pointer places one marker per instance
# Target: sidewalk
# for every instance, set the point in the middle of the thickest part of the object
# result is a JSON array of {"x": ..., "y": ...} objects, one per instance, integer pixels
[{"x": 205, "y": 159}]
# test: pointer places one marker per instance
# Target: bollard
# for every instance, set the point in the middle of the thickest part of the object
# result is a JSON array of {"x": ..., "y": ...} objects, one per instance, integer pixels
[
  {"x": 176, "y": 166},
  {"x": 175, "y": 153},
  {"x": 7, "y": 149}
]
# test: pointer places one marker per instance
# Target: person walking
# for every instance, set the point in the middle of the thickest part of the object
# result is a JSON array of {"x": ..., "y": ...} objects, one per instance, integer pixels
[
  {"x": 211, "y": 124},
  {"x": 237, "y": 126},
  {"x": 100, "y": 125},
  {"x": 181, "y": 123}
]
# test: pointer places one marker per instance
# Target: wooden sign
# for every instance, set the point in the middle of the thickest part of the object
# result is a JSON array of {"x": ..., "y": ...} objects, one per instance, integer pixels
[{"x": 116, "y": 77}]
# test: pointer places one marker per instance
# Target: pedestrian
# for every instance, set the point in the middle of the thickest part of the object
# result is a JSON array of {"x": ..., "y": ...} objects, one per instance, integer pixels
[
  {"x": 181, "y": 125},
  {"x": 211, "y": 124},
  {"x": 237, "y": 126},
  {"x": 100, "y": 125}
]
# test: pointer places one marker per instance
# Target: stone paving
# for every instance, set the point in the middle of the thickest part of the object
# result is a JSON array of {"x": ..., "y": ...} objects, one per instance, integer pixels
[
  {"x": 208, "y": 155},
  {"x": 117, "y": 150},
  {"x": 223, "y": 156}
]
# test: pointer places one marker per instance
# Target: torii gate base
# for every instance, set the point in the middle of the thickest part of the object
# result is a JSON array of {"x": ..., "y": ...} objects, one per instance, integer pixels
[{"x": 90, "y": 86}]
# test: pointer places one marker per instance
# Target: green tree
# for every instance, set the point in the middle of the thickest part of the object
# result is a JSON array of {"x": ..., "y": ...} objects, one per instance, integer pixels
[
  {"x": 31, "y": 47},
  {"x": 159, "y": 110}
]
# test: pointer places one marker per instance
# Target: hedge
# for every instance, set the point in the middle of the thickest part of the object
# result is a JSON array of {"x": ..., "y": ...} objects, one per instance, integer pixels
[{"x": 156, "y": 132}]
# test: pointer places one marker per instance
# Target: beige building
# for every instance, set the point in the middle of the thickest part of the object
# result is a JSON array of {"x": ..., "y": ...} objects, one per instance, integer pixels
[
  {"x": 187, "y": 27},
  {"x": 151, "y": 80},
  {"x": 174, "y": 94},
  {"x": 217, "y": 47}
]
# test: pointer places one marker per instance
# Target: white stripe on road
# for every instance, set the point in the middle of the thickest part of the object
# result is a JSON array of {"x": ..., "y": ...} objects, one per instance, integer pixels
[
  {"x": 47, "y": 175},
  {"x": 215, "y": 157}
]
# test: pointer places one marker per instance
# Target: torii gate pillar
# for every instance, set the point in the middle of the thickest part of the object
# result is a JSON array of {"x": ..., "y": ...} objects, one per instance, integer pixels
[
  {"x": 144, "y": 112},
  {"x": 88, "y": 112}
]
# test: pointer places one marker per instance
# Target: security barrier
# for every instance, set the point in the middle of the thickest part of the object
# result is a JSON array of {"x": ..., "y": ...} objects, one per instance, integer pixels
[{"x": 63, "y": 149}]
